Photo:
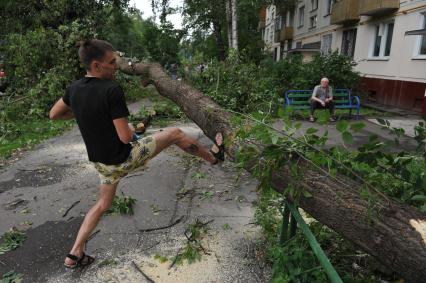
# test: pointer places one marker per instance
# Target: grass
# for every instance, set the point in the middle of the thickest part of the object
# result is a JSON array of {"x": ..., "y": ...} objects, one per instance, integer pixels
[
  {"x": 12, "y": 277},
  {"x": 26, "y": 134},
  {"x": 12, "y": 240}
]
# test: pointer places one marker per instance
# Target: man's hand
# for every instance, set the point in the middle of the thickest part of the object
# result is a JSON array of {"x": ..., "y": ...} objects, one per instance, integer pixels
[
  {"x": 322, "y": 103},
  {"x": 131, "y": 127}
]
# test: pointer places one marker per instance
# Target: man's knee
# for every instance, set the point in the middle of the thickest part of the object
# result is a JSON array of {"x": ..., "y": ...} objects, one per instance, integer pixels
[
  {"x": 103, "y": 205},
  {"x": 175, "y": 133}
]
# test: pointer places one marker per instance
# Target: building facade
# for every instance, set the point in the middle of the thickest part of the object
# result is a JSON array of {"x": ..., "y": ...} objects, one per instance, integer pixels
[{"x": 372, "y": 32}]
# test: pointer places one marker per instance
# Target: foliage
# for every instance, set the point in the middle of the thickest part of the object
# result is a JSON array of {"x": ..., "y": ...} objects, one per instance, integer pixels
[
  {"x": 41, "y": 56},
  {"x": 207, "y": 20},
  {"x": 161, "y": 42},
  {"x": 293, "y": 73},
  {"x": 12, "y": 240},
  {"x": 351, "y": 264},
  {"x": 107, "y": 262},
  {"x": 24, "y": 134},
  {"x": 399, "y": 175},
  {"x": 122, "y": 205},
  {"x": 239, "y": 84},
  {"x": 12, "y": 277}
]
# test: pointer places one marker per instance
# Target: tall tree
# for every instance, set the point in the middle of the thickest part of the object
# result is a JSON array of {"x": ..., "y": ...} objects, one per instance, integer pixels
[
  {"x": 207, "y": 15},
  {"x": 234, "y": 24}
]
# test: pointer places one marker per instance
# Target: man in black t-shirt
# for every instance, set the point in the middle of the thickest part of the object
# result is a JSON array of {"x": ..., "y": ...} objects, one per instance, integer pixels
[{"x": 97, "y": 103}]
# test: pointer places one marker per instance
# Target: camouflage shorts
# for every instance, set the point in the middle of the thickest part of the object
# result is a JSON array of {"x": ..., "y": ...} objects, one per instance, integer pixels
[{"x": 142, "y": 151}]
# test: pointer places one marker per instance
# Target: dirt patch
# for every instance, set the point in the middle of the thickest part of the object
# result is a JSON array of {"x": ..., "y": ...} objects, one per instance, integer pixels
[
  {"x": 42, "y": 176},
  {"x": 42, "y": 254}
]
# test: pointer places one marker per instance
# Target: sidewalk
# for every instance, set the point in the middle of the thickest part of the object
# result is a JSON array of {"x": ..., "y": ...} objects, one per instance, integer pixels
[
  {"x": 402, "y": 118},
  {"x": 36, "y": 191}
]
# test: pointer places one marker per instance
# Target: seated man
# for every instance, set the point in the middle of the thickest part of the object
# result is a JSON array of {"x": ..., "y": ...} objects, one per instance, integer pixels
[{"x": 322, "y": 97}]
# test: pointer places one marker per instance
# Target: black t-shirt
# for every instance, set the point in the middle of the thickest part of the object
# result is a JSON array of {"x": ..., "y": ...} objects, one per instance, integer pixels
[{"x": 95, "y": 103}]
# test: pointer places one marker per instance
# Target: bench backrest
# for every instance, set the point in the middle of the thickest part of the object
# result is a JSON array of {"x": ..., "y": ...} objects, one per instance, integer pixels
[{"x": 301, "y": 97}]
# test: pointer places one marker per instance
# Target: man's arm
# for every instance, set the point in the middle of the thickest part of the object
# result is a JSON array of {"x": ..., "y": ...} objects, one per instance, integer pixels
[
  {"x": 61, "y": 111},
  {"x": 314, "y": 96},
  {"x": 124, "y": 130}
]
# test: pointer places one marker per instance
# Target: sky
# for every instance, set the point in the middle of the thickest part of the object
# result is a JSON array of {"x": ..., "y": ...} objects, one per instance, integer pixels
[{"x": 145, "y": 7}]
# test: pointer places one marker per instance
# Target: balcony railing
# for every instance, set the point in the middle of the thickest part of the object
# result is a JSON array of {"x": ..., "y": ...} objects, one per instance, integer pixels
[
  {"x": 283, "y": 34},
  {"x": 286, "y": 33},
  {"x": 377, "y": 7},
  {"x": 345, "y": 12}
]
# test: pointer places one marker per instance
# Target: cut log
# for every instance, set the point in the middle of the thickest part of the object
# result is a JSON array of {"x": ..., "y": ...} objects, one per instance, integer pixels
[{"x": 395, "y": 235}]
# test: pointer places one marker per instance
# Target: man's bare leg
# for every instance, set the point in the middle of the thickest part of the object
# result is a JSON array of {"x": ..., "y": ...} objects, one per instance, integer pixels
[
  {"x": 170, "y": 136},
  {"x": 106, "y": 195}
]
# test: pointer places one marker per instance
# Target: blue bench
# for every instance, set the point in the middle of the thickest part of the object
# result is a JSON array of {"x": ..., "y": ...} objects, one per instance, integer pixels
[{"x": 342, "y": 98}]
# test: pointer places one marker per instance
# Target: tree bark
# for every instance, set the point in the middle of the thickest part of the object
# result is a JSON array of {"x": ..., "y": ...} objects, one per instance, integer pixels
[
  {"x": 217, "y": 31},
  {"x": 234, "y": 24},
  {"x": 229, "y": 22},
  {"x": 395, "y": 235}
]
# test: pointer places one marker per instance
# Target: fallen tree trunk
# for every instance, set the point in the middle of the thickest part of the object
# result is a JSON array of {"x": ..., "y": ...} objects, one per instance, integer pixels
[{"x": 395, "y": 236}]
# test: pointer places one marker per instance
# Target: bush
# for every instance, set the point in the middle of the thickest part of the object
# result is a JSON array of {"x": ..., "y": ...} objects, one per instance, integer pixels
[{"x": 240, "y": 85}]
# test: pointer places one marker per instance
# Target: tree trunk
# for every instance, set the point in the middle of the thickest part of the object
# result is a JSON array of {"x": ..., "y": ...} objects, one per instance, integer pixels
[
  {"x": 395, "y": 235},
  {"x": 229, "y": 22},
  {"x": 234, "y": 24},
  {"x": 217, "y": 31}
]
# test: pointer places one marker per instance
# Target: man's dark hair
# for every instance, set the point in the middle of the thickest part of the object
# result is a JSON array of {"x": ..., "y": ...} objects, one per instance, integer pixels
[{"x": 93, "y": 49}]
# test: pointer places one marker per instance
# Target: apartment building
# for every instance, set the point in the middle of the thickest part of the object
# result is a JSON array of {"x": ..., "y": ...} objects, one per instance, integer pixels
[{"x": 375, "y": 33}]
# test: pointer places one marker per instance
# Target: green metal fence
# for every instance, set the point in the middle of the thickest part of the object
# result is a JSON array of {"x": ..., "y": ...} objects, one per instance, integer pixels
[{"x": 292, "y": 219}]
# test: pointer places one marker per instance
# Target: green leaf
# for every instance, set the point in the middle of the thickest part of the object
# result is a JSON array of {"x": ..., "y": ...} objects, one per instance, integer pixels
[
  {"x": 274, "y": 139},
  {"x": 342, "y": 126},
  {"x": 383, "y": 122},
  {"x": 419, "y": 198},
  {"x": 307, "y": 194},
  {"x": 311, "y": 131},
  {"x": 356, "y": 127},
  {"x": 347, "y": 137}
]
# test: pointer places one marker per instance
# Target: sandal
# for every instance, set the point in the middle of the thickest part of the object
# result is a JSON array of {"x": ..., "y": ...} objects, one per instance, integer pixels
[
  {"x": 218, "y": 142},
  {"x": 82, "y": 261}
]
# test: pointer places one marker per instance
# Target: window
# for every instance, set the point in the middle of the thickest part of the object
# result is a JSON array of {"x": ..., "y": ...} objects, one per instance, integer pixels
[
  {"x": 299, "y": 44},
  {"x": 389, "y": 39},
  {"x": 326, "y": 44},
  {"x": 421, "y": 49},
  {"x": 328, "y": 7},
  {"x": 383, "y": 34},
  {"x": 278, "y": 23},
  {"x": 313, "y": 21},
  {"x": 301, "y": 16},
  {"x": 289, "y": 44},
  {"x": 291, "y": 19},
  {"x": 314, "y": 4},
  {"x": 348, "y": 42}
]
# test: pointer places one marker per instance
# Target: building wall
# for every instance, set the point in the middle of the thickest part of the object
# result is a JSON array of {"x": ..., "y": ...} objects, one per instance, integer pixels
[{"x": 399, "y": 79}]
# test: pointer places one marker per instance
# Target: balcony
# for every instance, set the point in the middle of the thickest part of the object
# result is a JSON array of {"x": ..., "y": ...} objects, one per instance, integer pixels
[
  {"x": 262, "y": 18},
  {"x": 286, "y": 33},
  {"x": 377, "y": 7},
  {"x": 283, "y": 34},
  {"x": 345, "y": 12}
]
